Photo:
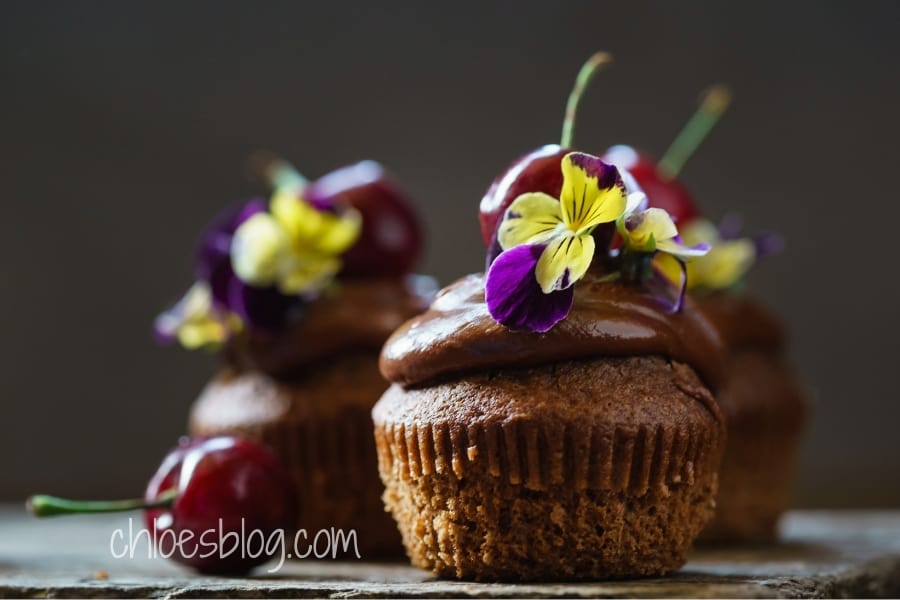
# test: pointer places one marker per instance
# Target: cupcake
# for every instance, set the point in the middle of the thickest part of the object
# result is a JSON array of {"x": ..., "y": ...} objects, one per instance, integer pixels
[
  {"x": 296, "y": 295},
  {"x": 553, "y": 419},
  {"x": 764, "y": 403}
]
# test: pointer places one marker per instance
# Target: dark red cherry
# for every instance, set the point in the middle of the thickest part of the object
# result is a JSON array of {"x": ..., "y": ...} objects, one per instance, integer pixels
[
  {"x": 226, "y": 485},
  {"x": 668, "y": 194},
  {"x": 537, "y": 171},
  {"x": 390, "y": 242},
  {"x": 219, "y": 505}
]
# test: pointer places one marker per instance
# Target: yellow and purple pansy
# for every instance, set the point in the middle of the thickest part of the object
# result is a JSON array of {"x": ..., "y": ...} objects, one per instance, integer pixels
[
  {"x": 294, "y": 246},
  {"x": 196, "y": 321},
  {"x": 256, "y": 266},
  {"x": 652, "y": 232},
  {"x": 730, "y": 256},
  {"x": 548, "y": 244}
]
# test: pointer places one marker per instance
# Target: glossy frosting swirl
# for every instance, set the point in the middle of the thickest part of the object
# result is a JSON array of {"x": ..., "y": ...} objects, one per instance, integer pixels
[
  {"x": 356, "y": 315},
  {"x": 457, "y": 334}
]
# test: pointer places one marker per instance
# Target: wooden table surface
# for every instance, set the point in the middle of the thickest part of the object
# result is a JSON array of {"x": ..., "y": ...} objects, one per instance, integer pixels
[{"x": 823, "y": 554}]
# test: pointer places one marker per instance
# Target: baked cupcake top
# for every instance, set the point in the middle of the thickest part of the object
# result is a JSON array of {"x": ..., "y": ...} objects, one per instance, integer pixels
[{"x": 318, "y": 268}]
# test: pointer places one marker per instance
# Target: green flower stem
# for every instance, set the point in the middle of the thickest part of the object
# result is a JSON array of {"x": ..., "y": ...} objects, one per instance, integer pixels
[
  {"x": 587, "y": 72},
  {"x": 714, "y": 102},
  {"x": 636, "y": 266},
  {"x": 275, "y": 171},
  {"x": 50, "y": 506}
]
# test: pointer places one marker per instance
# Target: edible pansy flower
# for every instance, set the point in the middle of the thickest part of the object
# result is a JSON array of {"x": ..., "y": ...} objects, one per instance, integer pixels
[
  {"x": 651, "y": 232},
  {"x": 260, "y": 307},
  {"x": 196, "y": 321},
  {"x": 294, "y": 247},
  {"x": 213, "y": 258},
  {"x": 730, "y": 256},
  {"x": 548, "y": 244}
]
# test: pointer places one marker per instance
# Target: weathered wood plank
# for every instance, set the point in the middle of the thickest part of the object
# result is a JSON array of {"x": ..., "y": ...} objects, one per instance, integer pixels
[{"x": 824, "y": 554}]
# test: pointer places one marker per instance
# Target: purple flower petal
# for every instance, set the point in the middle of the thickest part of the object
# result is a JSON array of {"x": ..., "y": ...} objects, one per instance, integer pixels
[
  {"x": 682, "y": 251},
  {"x": 514, "y": 297},
  {"x": 219, "y": 279},
  {"x": 731, "y": 226},
  {"x": 262, "y": 308},
  {"x": 493, "y": 251},
  {"x": 767, "y": 244},
  {"x": 164, "y": 328},
  {"x": 671, "y": 295},
  {"x": 213, "y": 257},
  {"x": 607, "y": 175}
]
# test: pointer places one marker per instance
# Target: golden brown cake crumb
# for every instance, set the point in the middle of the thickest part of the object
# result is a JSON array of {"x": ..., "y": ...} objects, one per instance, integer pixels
[{"x": 587, "y": 469}]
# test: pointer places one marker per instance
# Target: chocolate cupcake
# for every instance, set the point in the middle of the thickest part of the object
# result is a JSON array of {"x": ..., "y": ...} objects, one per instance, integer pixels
[
  {"x": 298, "y": 295},
  {"x": 553, "y": 419},
  {"x": 763, "y": 401}
]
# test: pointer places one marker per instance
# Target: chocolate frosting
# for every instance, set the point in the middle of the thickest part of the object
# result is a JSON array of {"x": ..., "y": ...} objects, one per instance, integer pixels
[
  {"x": 457, "y": 334},
  {"x": 355, "y": 315},
  {"x": 743, "y": 322}
]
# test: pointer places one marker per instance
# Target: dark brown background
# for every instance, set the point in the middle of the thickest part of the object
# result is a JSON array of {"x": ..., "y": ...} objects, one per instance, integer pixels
[{"x": 123, "y": 127}]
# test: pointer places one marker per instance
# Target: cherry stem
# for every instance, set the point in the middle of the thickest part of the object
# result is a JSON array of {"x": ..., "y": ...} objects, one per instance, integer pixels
[
  {"x": 712, "y": 104},
  {"x": 51, "y": 506},
  {"x": 274, "y": 170},
  {"x": 587, "y": 72}
]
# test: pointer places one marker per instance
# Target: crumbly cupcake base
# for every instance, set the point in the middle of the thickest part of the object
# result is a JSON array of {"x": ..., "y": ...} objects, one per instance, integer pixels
[
  {"x": 320, "y": 425},
  {"x": 594, "y": 469}
]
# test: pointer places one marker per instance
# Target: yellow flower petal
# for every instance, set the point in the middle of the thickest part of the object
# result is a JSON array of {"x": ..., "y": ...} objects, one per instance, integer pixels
[
  {"x": 338, "y": 232},
  {"x": 258, "y": 249},
  {"x": 312, "y": 229},
  {"x": 197, "y": 301},
  {"x": 532, "y": 218},
  {"x": 202, "y": 334},
  {"x": 294, "y": 214},
  {"x": 196, "y": 323},
  {"x": 564, "y": 261},
  {"x": 303, "y": 272},
  {"x": 591, "y": 192},
  {"x": 723, "y": 266},
  {"x": 645, "y": 230},
  {"x": 670, "y": 268},
  {"x": 699, "y": 231}
]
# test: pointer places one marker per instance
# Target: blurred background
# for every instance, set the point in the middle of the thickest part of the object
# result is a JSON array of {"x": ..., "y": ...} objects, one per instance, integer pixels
[{"x": 125, "y": 126}]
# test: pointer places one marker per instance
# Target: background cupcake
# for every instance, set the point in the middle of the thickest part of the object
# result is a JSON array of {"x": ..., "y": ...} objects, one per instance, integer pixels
[
  {"x": 763, "y": 401},
  {"x": 297, "y": 294}
]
